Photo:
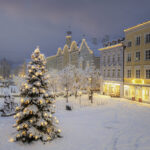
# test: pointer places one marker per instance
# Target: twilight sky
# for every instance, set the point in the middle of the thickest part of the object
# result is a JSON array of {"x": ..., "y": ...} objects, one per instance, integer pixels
[{"x": 24, "y": 24}]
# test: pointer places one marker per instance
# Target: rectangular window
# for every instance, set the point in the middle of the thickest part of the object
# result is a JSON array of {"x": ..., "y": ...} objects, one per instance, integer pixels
[
  {"x": 113, "y": 59},
  {"x": 137, "y": 40},
  {"x": 104, "y": 60},
  {"x": 108, "y": 59},
  {"x": 129, "y": 73},
  {"x": 108, "y": 74},
  {"x": 118, "y": 73},
  {"x": 137, "y": 56},
  {"x": 104, "y": 73},
  {"x": 148, "y": 74},
  {"x": 113, "y": 73},
  {"x": 129, "y": 44},
  {"x": 147, "y": 55},
  {"x": 147, "y": 38},
  {"x": 129, "y": 57},
  {"x": 118, "y": 58},
  {"x": 137, "y": 73}
]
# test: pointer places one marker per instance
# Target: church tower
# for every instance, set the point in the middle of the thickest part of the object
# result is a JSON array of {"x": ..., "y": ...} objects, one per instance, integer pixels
[{"x": 69, "y": 38}]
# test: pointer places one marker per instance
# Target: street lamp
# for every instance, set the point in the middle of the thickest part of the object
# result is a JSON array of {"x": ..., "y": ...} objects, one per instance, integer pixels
[
  {"x": 80, "y": 93},
  {"x": 91, "y": 92}
]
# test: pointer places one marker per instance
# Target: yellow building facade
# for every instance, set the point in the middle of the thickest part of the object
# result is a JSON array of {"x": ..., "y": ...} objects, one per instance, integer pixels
[{"x": 137, "y": 63}]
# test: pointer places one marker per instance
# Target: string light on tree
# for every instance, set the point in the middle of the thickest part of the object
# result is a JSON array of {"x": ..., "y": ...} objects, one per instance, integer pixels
[{"x": 35, "y": 121}]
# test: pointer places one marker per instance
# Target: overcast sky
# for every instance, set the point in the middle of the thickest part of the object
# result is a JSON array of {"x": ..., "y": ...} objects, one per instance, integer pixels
[{"x": 24, "y": 24}]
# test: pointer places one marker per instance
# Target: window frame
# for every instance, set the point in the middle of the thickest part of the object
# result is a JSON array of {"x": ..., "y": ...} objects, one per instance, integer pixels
[
  {"x": 129, "y": 60},
  {"x": 146, "y": 73},
  {"x": 129, "y": 73},
  {"x": 145, "y": 56},
  {"x": 146, "y": 42},
  {"x": 137, "y": 57},
  {"x": 138, "y": 73},
  {"x": 138, "y": 40}
]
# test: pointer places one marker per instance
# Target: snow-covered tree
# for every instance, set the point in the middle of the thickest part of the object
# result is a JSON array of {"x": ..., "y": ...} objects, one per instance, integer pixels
[
  {"x": 77, "y": 80},
  {"x": 92, "y": 76},
  {"x": 66, "y": 79},
  {"x": 35, "y": 120},
  {"x": 18, "y": 81},
  {"x": 53, "y": 81},
  {"x": 8, "y": 108}
]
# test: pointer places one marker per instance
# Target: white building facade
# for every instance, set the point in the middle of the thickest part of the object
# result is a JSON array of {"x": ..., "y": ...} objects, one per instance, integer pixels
[{"x": 111, "y": 68}]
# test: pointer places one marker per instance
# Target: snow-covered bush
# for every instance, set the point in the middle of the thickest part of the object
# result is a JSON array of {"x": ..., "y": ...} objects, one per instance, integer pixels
[{"x": 9, "y": 106}]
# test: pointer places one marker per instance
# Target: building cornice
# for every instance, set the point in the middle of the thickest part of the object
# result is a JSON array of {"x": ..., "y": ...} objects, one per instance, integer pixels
[
  {"x": 110, "y": 47},
  {"x": 137, "y": 26}
]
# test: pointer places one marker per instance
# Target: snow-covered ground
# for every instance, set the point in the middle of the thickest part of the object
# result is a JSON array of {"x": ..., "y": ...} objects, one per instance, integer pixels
[{"x": 108, "y": 124}]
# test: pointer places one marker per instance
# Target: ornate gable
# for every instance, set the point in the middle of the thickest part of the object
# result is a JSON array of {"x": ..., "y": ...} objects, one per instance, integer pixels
[
  {"x": 84, "y": 46},
  {"x": 65, "y": 49},
  {"x": 74, "y": 46},
  {"x": 59, "y": 52}
]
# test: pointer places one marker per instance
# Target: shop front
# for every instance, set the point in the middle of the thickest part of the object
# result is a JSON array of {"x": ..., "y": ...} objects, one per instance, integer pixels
[
  {"x": 137, "y": 93},
  {"x": 111, "y": 89}
]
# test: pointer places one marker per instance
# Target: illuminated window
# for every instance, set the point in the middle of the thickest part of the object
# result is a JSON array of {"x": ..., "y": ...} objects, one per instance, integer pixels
[
  {"x": 148, "y": 74},
  {"x": 129, "y": 73},
  {"x": 137, "y": 73},
  {"x": 137, "y": 40},
  {"x": 147, "y": 38},
  {"x": 147, "y": 55},
  {"x": 137, "y": 56}
]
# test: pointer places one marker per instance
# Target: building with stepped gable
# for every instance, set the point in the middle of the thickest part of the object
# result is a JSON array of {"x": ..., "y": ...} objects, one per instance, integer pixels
[{"x": 72, "y": 54}]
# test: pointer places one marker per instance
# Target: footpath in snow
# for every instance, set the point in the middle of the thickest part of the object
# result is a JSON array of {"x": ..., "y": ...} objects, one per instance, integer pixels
[{"x": 108, "y": 124}]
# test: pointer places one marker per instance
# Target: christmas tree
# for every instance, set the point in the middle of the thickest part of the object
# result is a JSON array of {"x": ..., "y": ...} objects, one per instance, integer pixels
[{"x": 35, "y": 120}]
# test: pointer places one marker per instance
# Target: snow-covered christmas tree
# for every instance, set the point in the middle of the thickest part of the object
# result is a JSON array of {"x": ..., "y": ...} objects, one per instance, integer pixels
[{"x": 35, "y": 120}]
